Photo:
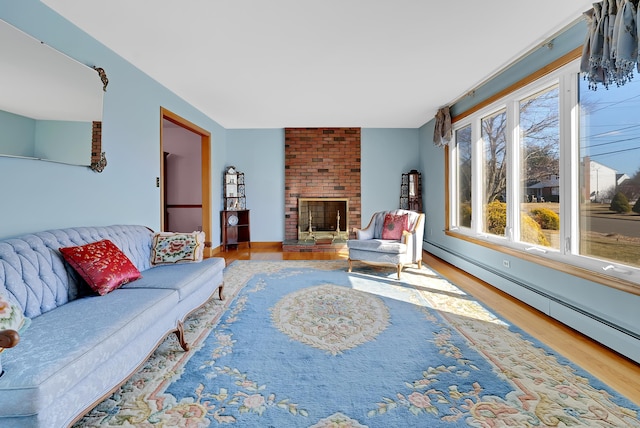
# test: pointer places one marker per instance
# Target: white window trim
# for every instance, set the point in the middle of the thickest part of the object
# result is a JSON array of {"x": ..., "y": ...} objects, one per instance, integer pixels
[{"x": 568, "y": 254}]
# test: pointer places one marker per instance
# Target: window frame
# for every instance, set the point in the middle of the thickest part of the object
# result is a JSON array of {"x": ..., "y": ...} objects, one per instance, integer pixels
[{"x": 564, "y": 72}]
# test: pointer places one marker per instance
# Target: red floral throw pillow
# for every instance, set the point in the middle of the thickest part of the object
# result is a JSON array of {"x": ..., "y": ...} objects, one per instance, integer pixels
[
  {"x": 102, "y": 265},
  {"x": 394, "y": 225}
]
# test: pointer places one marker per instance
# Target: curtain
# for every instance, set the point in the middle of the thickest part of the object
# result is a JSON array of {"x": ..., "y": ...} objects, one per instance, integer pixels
[
  {"x": 610, "y": 51},
  {"x": 442, "y": 130}
]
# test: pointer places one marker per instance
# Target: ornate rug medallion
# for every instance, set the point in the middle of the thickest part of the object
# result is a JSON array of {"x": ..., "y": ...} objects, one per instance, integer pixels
[
  {"x": 365, "y": 350},
  {"x": 330, "y": 317}
]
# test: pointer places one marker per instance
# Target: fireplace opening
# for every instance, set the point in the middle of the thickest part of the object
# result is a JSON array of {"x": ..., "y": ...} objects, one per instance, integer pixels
[{"x": 323, "y": 219}]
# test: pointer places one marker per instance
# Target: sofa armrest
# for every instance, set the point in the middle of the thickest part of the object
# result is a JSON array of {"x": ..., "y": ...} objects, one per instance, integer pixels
[
  {"x": 362, "y": 234},
  {"x": 9, "y": 338},
  {"x": 367, "y": 232},
  {"x": 413, "y": 239}
]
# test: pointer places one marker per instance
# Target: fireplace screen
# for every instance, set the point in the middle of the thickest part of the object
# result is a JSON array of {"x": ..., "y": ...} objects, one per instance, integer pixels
[{"x": 323, "y": 218}]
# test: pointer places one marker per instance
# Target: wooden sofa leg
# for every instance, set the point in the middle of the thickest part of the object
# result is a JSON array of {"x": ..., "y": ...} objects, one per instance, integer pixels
[
  {"x": 220, "y": 291},
  {"x": 8, "y": 338},
  {"x": 419, "y": 264},
  {"x": 181, "y": 338},
  {"x": 350, "y": 265}
]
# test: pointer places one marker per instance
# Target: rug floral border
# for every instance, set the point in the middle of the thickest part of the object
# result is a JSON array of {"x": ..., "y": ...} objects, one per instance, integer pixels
[{"x": 546, "y": 390}]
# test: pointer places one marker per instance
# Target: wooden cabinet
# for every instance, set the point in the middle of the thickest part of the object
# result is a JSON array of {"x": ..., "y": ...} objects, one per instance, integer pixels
[
  {"x": 236, "y": 228},
  {"x": 234, "y": 219}
]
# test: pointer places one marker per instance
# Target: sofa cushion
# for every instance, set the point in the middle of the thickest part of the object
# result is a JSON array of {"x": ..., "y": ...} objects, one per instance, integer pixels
[
  {"x": 378, "y": 245},
  {"x": 184, "y": 277},
  {"x": 394, "y": 225},
  {"x": 32, "y": 270},
  {"x": 64, "y": 346},
  {"x": 171, "y": 248},
  {"x": 101, "y": 264}
]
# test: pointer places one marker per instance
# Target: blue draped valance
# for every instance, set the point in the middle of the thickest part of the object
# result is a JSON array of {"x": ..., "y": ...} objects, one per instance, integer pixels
[
  {"x": 610, "y": 51},
  {"x": 442, "y": 129}
]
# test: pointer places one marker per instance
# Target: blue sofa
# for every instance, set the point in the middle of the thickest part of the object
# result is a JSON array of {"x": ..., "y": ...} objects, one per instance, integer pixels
[{"x": 80, "y": 346}]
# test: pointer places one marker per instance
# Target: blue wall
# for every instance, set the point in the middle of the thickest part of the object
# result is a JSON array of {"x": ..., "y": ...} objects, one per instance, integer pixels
[
  {"x": 45, "y": 195},
  {"x": 39, "y": 195},
  {"x": 18, "y": 136},
  {"x": 386, "y": 154},
  {"x": 606, "y": 314},
  {"x": 259, "y": 153},
  {"x": 64, "y": 141}
]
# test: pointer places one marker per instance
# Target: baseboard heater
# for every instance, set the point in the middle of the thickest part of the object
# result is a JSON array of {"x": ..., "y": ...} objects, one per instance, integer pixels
[{"x": 532, "y": 289}]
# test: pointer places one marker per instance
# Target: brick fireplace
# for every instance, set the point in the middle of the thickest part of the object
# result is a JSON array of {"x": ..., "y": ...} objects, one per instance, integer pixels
[{"x": 321, "y": 163}]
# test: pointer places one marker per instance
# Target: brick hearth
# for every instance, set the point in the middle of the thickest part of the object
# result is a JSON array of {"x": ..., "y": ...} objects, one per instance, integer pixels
[{"x": 320, "y": 163}]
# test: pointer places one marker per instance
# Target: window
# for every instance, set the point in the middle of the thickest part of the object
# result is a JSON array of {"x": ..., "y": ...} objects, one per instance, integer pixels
[
  {"x": 610, "y": 173},
  {"x": 540, "y": 168},
  {"x": 558, "y": 175},
  {"x": 463, "y": 140},
  {"x": 494, "y": 172}
]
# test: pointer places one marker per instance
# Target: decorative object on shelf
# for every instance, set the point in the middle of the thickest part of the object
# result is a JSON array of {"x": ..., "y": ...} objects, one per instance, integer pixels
[
  {"x": 411, "y": 191},
  {"x": 234, "y": 219}
]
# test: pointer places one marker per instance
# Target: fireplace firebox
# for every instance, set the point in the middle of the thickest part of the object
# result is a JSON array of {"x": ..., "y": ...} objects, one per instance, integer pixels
[{"x": 322, "y": 219}]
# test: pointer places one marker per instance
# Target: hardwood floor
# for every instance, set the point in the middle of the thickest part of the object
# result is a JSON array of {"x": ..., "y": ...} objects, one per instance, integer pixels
[{"x": 617, "y": 371}]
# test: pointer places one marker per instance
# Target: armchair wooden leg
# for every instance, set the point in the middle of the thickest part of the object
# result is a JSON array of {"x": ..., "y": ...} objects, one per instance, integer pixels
[
  {"x": 419, "y": 264},
  {"x": 399, "y": 270}
]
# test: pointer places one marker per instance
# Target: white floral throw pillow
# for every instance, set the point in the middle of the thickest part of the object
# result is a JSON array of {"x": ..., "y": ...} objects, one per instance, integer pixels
[{"x": 170, "y": 247}]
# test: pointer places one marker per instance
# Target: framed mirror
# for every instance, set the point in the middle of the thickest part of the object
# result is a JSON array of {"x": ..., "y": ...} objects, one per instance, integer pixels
[{"x": 51, "y": 105}]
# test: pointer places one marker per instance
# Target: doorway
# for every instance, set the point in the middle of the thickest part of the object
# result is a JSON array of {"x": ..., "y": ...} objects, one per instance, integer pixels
[{"x": 194, "y": 212}]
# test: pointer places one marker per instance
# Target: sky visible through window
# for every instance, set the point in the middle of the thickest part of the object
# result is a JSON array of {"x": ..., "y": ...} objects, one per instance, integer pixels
[{"x": 614, "y": 125}]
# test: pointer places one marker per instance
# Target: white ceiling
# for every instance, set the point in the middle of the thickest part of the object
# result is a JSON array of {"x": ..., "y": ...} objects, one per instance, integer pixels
[{"x": 297, "y": 63}]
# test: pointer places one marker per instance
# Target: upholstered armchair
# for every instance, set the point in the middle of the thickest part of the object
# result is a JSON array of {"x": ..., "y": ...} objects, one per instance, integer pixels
[{"x": 389, "y": 240}]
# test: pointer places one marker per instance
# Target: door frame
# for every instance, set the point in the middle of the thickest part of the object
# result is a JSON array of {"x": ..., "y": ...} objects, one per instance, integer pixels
[{"x": 205, "y": 158}]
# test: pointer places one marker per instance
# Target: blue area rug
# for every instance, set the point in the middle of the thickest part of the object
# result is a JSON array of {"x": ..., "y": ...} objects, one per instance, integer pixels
[{"x": 306, "y": 344}]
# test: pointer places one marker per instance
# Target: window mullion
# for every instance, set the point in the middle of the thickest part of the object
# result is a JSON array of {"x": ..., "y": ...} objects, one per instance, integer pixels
[
  {"x": 513, "y": 171},
  {"x": 569, "y": 168},
  {"x": 477, "y": 218},
  {"x": 454, "y": 184}
]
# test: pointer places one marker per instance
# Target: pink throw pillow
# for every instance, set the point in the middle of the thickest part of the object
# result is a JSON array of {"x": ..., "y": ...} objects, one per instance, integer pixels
[
  {"x": 102, "y": 265},
  {"x": 394, "y": 225}
]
